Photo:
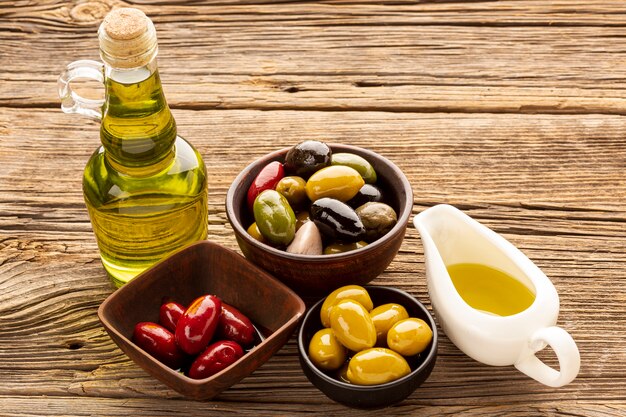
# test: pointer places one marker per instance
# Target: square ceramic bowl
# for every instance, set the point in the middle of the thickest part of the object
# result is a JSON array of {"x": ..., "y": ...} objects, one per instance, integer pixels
[{"x": 199, "y": 269}]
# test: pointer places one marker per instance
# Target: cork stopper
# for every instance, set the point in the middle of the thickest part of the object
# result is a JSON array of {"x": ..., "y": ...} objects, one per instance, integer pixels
[{"x": 127, "y": 38}]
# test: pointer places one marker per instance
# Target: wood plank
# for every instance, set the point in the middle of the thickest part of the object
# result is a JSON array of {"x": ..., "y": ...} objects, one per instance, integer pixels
[
  {"x": 451, "y": 158},
  {"x": 453, "y": 57},
  {"x": 71, "y": 406},
  {"x": 562, "y": 206},
  {"x": 485, "y": 12}
]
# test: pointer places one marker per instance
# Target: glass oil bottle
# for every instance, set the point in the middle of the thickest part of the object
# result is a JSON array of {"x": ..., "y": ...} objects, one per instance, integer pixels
[{"x": 146, "y": 187}]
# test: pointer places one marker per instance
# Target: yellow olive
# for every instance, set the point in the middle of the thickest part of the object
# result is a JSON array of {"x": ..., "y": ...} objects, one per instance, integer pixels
[
  {"x": 354, "y": 292},
  {"x": 385, "y": 316},
  {"x": 292, "y": 188},
  {"x": 337, "y": 181},
  {"x": 409, "y": 337},
  {"x": 254, "y": 231},
  {"x": 301, "y": 218},
  {"x": 343, "y": 247},
  {"x": 376, "y": 366},
  {"x": 352, "y": 325},
  {"x": 325, "y": 350},
  {"x": 342, "y": 373}
]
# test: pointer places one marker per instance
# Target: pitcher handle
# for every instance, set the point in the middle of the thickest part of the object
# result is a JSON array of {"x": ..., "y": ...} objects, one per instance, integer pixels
[
  {"x": 71, "y": 102},
  {"x": 566, "y": 351}
]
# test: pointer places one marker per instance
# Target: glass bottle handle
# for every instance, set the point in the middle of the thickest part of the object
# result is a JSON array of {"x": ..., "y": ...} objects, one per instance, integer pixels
[{"x": 71, "y": 102}]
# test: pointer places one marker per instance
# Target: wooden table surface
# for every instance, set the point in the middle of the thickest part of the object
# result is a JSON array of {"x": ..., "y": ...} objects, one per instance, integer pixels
[{"x": 511, "y": 110}]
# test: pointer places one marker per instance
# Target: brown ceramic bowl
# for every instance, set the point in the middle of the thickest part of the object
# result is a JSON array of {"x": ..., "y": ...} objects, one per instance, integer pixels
[
  {"x": 199, "y": 269},
  {"x": 320, "y": 274}
]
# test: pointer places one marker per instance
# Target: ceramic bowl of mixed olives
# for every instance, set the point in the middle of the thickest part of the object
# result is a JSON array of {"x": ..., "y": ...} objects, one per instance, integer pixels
[
  {"x": 202, "y": 319},
  {"x": 319, "y": 216},
  {"x": 367, "y": 347}
]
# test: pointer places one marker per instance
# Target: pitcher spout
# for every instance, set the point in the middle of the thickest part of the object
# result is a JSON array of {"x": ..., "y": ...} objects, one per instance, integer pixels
[
  {"x": 439, "y": 228},
  {"x": 454, "y": 237}
]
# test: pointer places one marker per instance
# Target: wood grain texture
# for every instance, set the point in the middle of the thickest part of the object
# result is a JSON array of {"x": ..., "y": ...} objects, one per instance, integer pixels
[
  {"x": 510, "y": 110},
  {"x": 476, "y": 57}
]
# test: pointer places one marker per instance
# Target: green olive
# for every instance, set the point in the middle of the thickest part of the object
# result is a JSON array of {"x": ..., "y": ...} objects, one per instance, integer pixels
[
  {"x": 254, "y": 231},
  {"x": 410, "y": 336},
  {"x": 376, "y": 366},
  {"x": 343, "y": 247},
  {"x": 377, "y": 218},
  {"x": 384, "y": 316},
  {"x": 274, "y": 217},
  {"x": 293, "y": 190},
  {"x": 301, "y": 218},
  {"x": 353, "y": 292},
  {"x": 352, "y": 325},
  {"x": 357, "y": 162},
  {"x": 325, "y": 350},
  {"x": 338, "y": 181}
]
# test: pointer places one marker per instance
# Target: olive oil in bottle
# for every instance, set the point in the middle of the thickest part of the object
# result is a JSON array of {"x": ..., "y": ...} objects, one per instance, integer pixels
[
  {"x": 146, "y": 187},
  {"x": 490, "y": 290}
]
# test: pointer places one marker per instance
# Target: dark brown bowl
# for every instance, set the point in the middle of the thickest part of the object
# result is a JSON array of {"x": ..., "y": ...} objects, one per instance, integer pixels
[
  {"x": 203, "y": 268},
  {"x": 320, "y": 274},
  {"x": 370, "y": 396}
]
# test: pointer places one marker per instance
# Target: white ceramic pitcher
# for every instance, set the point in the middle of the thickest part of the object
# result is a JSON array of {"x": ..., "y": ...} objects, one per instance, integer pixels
[{"x": 449, "y": 237}]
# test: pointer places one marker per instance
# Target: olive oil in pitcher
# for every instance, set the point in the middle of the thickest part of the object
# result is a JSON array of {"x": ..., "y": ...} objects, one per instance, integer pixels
[
  {"x": 490, "y": 290},
  {"x": 146, "y": 187}
]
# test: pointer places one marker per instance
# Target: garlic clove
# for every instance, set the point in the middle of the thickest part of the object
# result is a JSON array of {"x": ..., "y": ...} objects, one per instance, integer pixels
[{"x": 308, "y": 240}]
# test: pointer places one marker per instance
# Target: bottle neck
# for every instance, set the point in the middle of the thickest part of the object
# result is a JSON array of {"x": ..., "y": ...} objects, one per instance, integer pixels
[{"x": 138, "y": 130}]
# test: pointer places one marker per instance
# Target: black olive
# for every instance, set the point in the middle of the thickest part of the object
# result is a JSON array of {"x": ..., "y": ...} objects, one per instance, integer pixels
[
  {"x": 336, "y": 220},
  {"x": 366, "y": 194},
  {"x": 307, "y": 157}
]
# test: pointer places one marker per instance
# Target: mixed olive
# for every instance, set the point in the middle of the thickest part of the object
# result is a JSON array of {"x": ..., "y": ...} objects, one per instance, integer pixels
[
  {"x": 364, "y": 345},
  {"x": 334, "y": 194},
  {"x": 199, "y": 340}
]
